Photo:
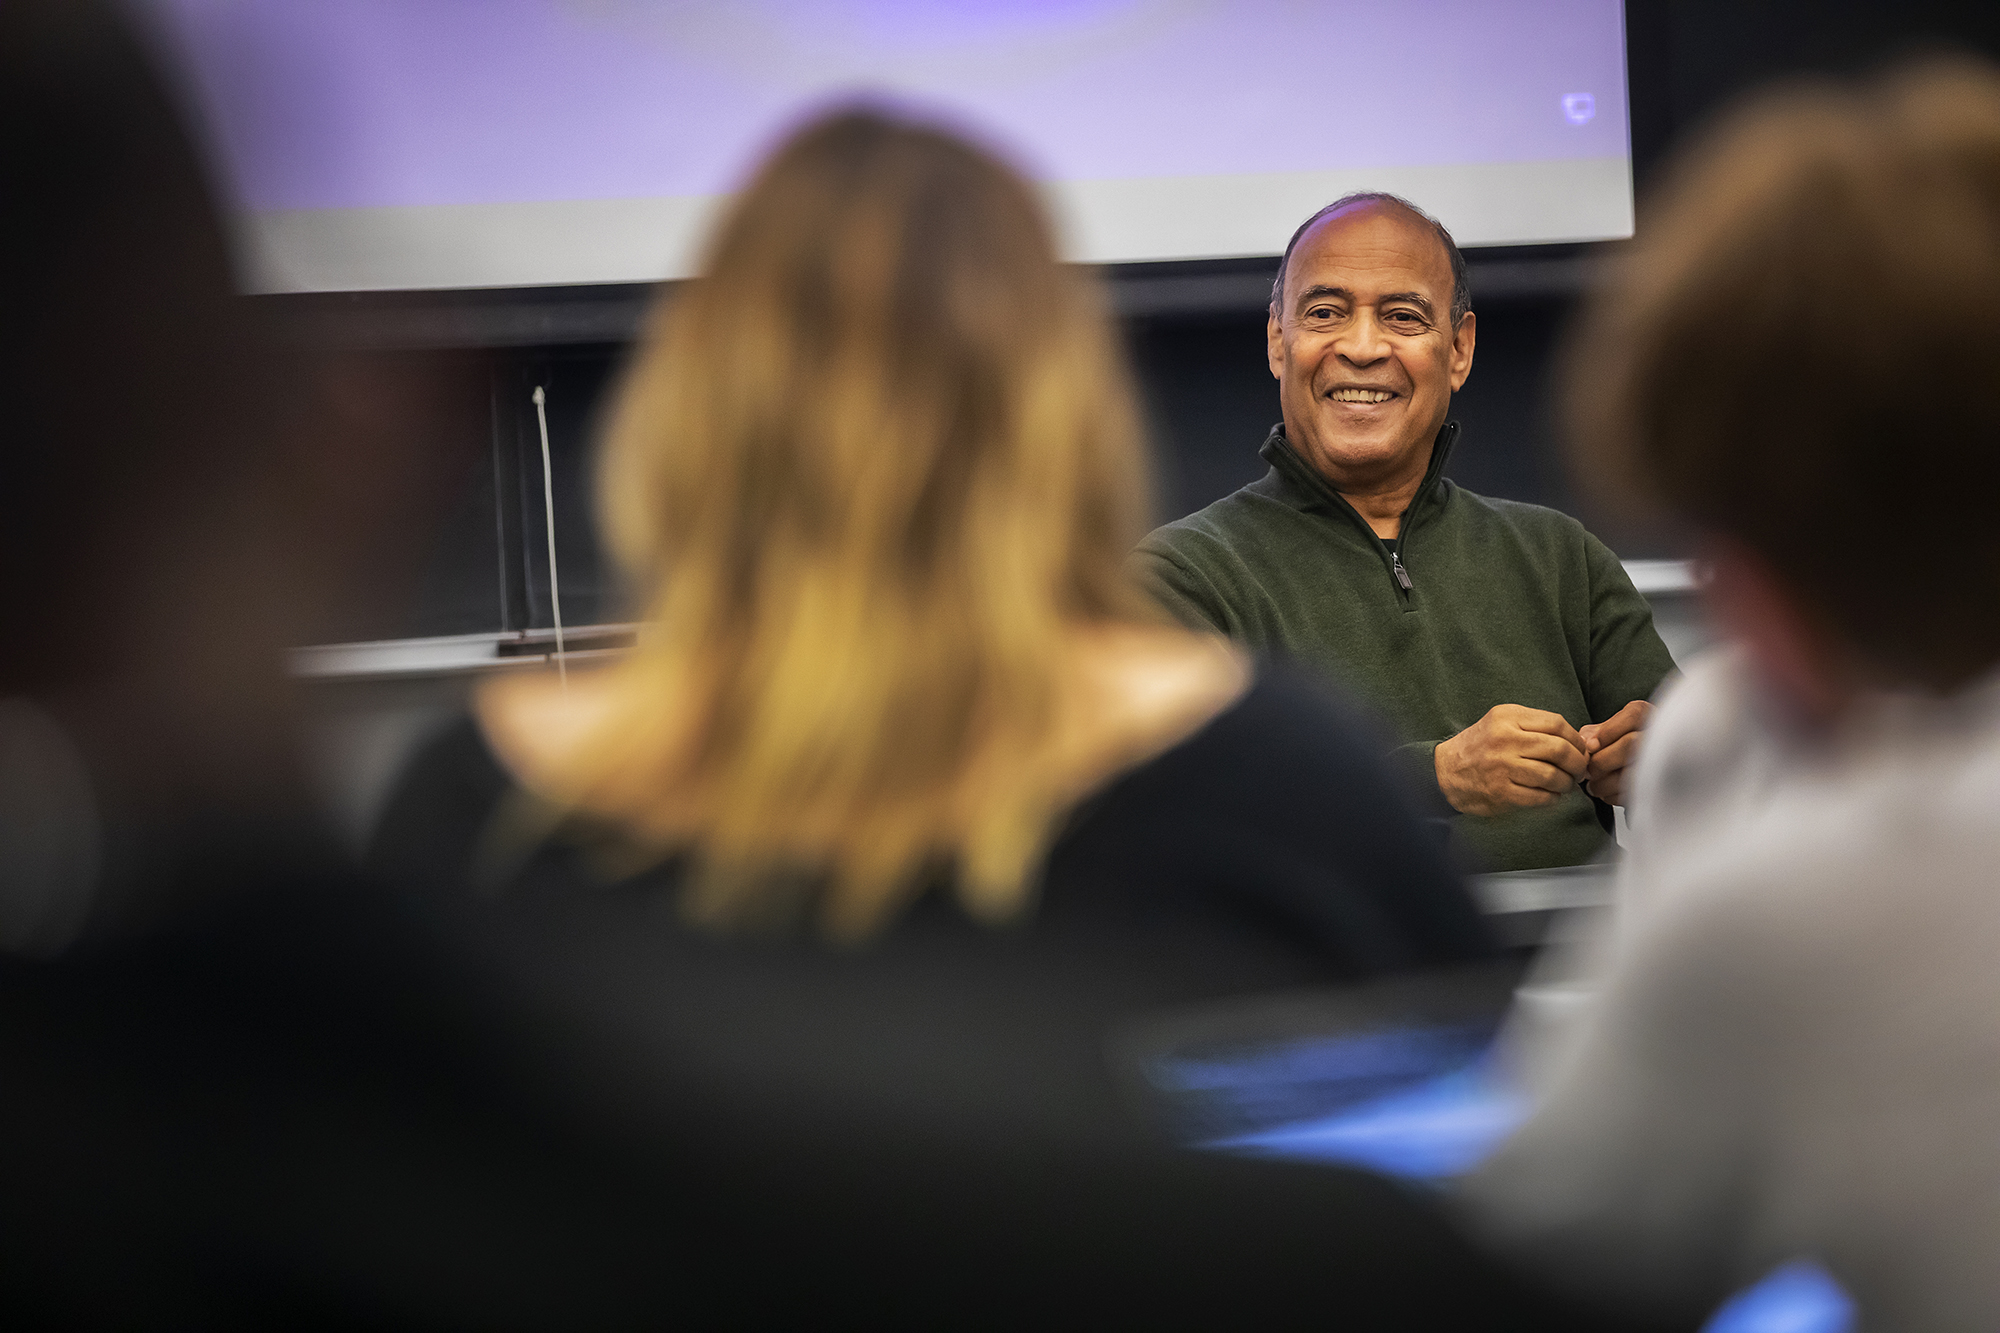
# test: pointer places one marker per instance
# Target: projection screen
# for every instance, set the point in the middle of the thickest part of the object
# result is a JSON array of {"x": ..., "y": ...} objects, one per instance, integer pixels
[{"x": 382, "y": 144}]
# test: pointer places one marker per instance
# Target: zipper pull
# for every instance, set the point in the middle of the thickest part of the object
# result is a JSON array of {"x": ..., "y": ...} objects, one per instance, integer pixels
[{"x": 1402, "y": 575}]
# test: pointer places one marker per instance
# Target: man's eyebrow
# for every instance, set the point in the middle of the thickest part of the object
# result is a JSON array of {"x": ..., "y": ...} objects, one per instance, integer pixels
[
  {"x": 1322, "y": 291},
  {"x": 1311, "y": 294},
  {"x": 1417, "y": 299}
]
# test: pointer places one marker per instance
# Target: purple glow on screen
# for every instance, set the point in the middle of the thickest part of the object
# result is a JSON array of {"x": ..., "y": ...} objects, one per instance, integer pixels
[{"x": 359, "y": 103}]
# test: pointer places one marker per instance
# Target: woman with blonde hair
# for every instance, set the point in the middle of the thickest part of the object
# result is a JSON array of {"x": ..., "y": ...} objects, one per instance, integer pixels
[{"x": 874, "y": 474}]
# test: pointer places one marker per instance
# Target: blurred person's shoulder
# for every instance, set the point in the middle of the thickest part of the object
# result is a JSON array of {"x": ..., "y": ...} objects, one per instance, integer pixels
[
  {"x": 1277, "y": 832},
  {"x": 1815, "y": 845},
  {"x": 439, "y": 807},
  {"x": 1715, "y": 762},
  {"x": 1286, "y": 733},
  {"x": 1824, "y": 954},
  {"x": 1712, "y": 747},
  {"x": 1293, "y": 709}
]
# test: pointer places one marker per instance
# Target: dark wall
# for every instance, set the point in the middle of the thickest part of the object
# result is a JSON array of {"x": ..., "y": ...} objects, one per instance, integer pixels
[
  {"x": 1209, "y": 396},
  {"x": 488, "y": 566},
  {"x": 1209, "y": 400},
  {"x": 1689, "y": 58}
]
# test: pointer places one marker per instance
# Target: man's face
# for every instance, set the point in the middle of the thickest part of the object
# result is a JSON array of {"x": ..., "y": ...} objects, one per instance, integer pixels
[{"x": 1363, "y": 347}]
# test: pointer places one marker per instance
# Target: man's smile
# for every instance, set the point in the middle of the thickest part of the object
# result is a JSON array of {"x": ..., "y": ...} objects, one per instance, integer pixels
[{"x": 1359, "y": 394}]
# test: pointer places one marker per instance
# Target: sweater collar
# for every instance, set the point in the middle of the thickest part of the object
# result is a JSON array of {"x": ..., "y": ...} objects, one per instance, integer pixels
[{"x": 1312, "y": 490}]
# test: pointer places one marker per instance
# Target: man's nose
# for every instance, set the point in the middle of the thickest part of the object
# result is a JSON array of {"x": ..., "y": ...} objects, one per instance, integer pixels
[{"x": 1363, "y": 342}]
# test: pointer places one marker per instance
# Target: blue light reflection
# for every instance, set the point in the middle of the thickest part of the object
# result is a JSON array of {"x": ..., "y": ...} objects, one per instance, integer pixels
[{"x": 1428, "y": 1104}]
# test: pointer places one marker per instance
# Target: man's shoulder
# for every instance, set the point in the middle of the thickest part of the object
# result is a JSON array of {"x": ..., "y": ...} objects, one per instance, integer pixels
[
  {"x": 1552, "y": 538},
  {"x": 1233, "y": 524},
  {"x": 1517, "y": 514}
]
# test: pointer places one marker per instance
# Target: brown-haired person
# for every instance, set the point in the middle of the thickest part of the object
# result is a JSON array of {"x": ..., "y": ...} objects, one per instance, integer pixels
[
  {"x": 1794, "y": 1052},
  {"x": 905, "y": 797}
]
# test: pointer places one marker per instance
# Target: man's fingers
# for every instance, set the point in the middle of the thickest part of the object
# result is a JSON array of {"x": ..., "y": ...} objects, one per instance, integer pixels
[
  {"x": 1515, "y": 756},
  {"x": 1627, "y": 721},
  {"x": 1553, "y": 750},
  {"x": 1524, "y": 796},
  {"x": 1614, "y": 757},
  {"x": 1541, "y": 719},
  {"x": 1546, "y": 723},
  {"x": 1553, "y": 778}
]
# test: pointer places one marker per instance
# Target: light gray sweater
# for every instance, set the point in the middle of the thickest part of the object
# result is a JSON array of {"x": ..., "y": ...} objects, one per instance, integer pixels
[{"x": 1795, "y": 1051}]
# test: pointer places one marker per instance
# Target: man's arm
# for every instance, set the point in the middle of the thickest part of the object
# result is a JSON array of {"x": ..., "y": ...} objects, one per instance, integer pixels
[
  {"x": 1517, "y": 757},
  {"x": 1628, "y": 659},
  {"x": 1628, "y": 664}
]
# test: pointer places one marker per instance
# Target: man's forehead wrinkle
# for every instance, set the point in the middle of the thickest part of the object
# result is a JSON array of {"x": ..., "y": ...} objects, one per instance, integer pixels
[
  {"x": 1408, "y": 247},
  {"x": 1351, "y": 269},
  {"x": 1371, "y": 272}
]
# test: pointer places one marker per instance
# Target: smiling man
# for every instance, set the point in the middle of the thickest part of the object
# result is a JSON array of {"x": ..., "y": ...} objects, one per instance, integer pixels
[{"x": 1503, "y": 642}]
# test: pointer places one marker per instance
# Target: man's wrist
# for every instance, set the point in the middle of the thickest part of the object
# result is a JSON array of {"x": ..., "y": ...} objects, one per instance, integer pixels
[
  {"x": 1445, "y": 772},
  {"x": 1416, "y": 765}
]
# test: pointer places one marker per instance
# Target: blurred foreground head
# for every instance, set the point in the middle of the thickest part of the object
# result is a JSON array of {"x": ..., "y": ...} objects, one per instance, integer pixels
[
  {"x": 184, "y": 498},
  {"x": 137, "y": 390},
  {"x": 875, "y": 471},
  {"x": 1799, "y": 360},
  {"x": 147, "y": 553}
]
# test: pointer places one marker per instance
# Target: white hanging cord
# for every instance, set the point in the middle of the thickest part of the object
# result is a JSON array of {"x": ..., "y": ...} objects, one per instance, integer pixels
[{"x": 549, "y": 505}]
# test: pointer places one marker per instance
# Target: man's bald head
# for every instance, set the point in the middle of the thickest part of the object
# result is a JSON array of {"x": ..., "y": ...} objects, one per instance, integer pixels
[{"x": 1461, "y": 292}]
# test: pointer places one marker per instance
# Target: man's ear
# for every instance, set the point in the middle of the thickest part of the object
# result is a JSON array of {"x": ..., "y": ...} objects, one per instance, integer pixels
[
  {"x": 1462, "y": 339},
  {"x": 1798, "y": 657},
  {"x": 1274, "y": 344}
]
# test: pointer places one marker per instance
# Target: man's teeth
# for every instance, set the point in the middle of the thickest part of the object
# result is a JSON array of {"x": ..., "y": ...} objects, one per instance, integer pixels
[{"x": 1361, "y": 395}]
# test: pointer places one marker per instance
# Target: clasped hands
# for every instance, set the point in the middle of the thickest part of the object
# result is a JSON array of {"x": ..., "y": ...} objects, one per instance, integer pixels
[{"x": 1516, "y": 757}]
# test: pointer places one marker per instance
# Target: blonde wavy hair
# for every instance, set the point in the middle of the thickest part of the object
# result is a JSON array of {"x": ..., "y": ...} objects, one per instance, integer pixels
[{"x": 874, "y": 472}]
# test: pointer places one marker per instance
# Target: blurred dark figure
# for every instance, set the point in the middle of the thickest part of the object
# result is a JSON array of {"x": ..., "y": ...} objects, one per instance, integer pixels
[
  {"x": 236, "y": 1086},
  {"x": 1795, "y": 1053}
]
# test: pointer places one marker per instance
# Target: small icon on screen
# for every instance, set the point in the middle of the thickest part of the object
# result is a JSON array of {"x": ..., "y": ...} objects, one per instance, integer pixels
[{"x": 1579, "y": 107}]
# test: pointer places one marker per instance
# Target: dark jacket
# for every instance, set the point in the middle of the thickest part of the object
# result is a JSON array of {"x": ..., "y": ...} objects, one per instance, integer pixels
[{"x": 1479, "y": 602}]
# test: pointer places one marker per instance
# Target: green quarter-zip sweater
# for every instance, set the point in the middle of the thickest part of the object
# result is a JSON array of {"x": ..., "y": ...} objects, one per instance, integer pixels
[{"x": 1477, "y": 602}]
